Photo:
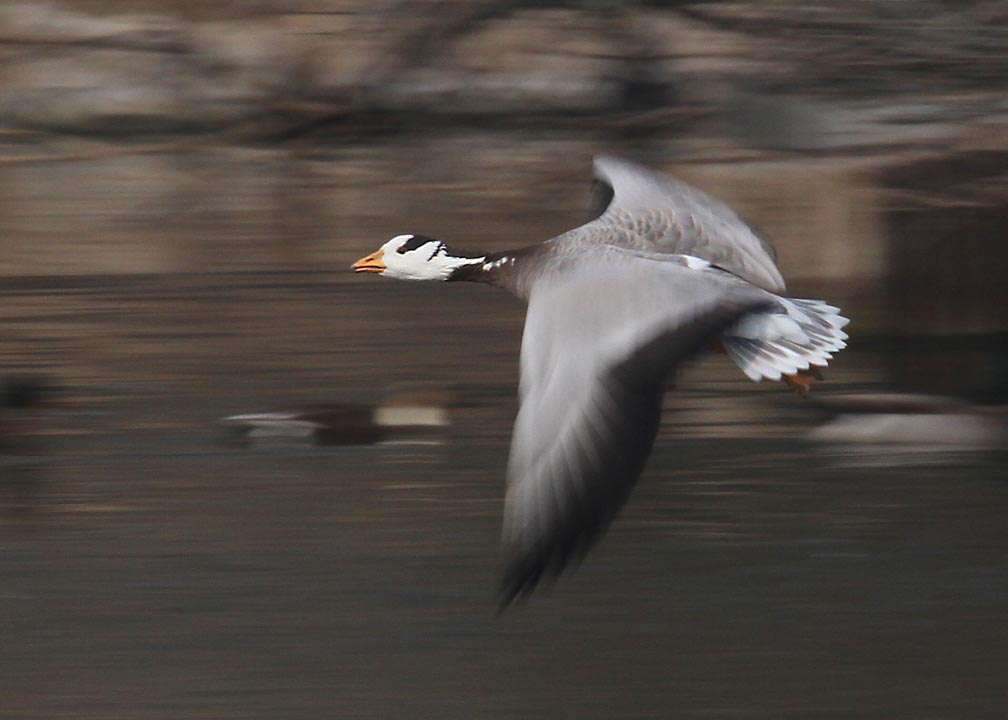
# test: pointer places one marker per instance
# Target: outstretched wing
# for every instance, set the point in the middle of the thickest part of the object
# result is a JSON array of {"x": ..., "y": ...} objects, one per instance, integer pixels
[
  {"x": 599, "y": 341},
  {"x": 637, "y": 208}
]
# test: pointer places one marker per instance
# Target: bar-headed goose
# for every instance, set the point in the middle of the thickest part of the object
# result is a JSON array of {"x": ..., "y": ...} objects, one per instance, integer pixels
[{"x": 663, "y": 272}]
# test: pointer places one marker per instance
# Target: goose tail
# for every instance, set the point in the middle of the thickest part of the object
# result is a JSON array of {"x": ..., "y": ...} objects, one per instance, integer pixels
[{"x": 787, "y": 343}]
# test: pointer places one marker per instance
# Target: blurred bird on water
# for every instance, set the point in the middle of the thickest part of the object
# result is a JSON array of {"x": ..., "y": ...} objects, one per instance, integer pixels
[
  {"x": 18, "y": 397},
  {"x": 403, "y": 417}
]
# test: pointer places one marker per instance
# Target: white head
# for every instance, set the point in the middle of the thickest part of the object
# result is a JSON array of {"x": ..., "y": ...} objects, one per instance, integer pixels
[{"x": 413, "y": 257}]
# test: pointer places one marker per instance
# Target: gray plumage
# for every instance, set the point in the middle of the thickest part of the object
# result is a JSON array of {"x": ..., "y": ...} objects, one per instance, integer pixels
[
  {"x": 656, "y": 213},
  {"x": 640, "y": 210},
  {"x": 662, "y": 272},
  {"x": 599, "y": 342}
]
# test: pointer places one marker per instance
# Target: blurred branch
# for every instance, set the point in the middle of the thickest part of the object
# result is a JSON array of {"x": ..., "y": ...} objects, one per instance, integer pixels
[
  {"x": 845, "y": 40},
  {"x": 98, "y": 43},
  {"x": 105, "y": 151}
]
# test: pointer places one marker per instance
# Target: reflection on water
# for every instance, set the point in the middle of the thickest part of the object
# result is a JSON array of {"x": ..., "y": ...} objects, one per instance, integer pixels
[{"x": 147, "y": 570}]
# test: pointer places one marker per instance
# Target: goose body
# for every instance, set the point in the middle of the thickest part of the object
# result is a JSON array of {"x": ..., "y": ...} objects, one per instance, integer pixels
[{"x": 662, "y": 273}]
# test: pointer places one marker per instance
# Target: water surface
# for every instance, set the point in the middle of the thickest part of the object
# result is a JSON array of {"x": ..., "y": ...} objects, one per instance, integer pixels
[{"x": 149, "y": 569}]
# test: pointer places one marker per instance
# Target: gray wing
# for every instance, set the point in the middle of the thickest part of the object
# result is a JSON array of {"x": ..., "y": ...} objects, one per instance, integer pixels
[
  {"x": 599, "y": 342},
  {"x": 639, "y": 209}
]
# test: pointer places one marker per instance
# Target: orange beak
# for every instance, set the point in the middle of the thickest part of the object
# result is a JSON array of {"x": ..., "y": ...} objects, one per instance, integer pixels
[{"x": 372, "y": 263}]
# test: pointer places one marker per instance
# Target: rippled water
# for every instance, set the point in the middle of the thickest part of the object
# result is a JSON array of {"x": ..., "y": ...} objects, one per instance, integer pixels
[{"x": 150, "y": 569}]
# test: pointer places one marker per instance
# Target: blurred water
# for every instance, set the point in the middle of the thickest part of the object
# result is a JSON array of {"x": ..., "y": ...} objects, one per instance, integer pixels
[{"x": 150, "y": 570}]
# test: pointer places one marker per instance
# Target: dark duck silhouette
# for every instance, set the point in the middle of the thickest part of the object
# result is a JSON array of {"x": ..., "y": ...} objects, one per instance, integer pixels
[
  {"x": 18, "y": 397},
  {"x": 400, "y": 417}
]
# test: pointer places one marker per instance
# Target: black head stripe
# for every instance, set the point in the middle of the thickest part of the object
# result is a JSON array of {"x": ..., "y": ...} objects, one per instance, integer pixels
[
  {"x": 413, "y": 243},
  {"x": 439, "y": 249}
]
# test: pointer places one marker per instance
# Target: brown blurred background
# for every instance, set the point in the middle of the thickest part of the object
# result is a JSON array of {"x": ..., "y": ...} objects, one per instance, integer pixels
[{"x": 183, "y": 186}]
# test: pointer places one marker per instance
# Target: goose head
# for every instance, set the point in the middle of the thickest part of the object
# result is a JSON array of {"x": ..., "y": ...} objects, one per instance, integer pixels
[{"x": 414, "y": 257}]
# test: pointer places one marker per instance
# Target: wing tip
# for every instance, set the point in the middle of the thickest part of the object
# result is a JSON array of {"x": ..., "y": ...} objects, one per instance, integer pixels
[
  {"x": 605, "y": 166},
  {"x": 537, "y": 570},
  {"x": 519, "y": 580}
]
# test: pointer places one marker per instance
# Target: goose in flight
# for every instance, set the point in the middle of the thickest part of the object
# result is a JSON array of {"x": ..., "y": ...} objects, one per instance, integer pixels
[{"x": 662, "y": 273}]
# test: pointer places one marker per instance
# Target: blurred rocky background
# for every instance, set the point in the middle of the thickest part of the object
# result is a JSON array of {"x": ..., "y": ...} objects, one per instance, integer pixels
[
  {"x": 183, "y": 186},
  {"x": 867, "y": 140}
]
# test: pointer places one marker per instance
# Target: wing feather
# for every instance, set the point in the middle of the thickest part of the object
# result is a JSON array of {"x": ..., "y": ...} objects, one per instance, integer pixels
[
  {"x": 598, "y": 344},
  {"x": 637, "y": 208}
]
